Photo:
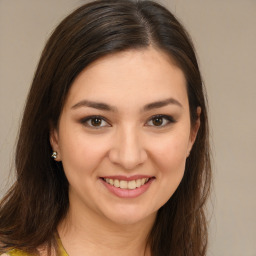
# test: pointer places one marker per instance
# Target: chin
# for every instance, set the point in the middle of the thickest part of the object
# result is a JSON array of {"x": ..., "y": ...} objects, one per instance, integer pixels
[{"x": 130, "y": 215}]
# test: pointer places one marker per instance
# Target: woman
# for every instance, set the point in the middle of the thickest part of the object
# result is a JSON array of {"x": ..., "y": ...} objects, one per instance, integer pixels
[{"x": 117, "y": 101}]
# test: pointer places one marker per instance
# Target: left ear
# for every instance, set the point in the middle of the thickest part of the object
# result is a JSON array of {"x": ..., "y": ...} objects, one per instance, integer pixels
[{"x": 194, "y": 130}]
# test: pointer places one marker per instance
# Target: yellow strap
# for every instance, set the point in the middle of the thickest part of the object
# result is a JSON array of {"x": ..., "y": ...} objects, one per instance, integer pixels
[
  {"x": 16, "y": 252},
  {"x": 61, "y": 248}
]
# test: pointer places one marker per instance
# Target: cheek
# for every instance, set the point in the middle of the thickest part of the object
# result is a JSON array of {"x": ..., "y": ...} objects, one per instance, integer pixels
[
  {"x": 81, "y": 154},
  {"x": 171, "y": 151},
  {"x": 169, "y": 160},
  {"x": 172, "y": 162}
]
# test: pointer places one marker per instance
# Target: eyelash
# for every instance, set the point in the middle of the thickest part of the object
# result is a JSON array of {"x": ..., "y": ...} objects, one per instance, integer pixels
[
  {"x": 85, "y": 121},
  {"x": 169, "y": 120}
]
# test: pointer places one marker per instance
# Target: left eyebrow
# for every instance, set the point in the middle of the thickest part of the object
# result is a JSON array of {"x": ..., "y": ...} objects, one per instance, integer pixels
[{"x": 162, "y": 103}]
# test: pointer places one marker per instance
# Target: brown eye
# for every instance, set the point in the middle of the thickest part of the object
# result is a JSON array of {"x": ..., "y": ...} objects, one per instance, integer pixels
[
  {"x": 158, "y": 121},
  {"x": 96, "y": 121}
]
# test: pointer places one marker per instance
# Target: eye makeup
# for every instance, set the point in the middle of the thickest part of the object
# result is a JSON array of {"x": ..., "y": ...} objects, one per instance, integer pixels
[{"x": 99, "y": 122}]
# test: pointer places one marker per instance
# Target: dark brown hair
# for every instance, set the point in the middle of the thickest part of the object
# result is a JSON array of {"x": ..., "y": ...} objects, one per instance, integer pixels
[{"x": 32, "y": 209}]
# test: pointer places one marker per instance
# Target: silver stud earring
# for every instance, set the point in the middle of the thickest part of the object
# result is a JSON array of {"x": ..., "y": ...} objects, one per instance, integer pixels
[{"x": 54, "y": 155}]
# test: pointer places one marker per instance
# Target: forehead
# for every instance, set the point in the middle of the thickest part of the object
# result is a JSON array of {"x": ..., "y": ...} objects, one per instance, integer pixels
[{"x": 133, "y": 76}]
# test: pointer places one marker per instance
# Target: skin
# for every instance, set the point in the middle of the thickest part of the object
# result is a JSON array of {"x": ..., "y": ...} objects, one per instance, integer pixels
[{"x": 130, "y": 142}]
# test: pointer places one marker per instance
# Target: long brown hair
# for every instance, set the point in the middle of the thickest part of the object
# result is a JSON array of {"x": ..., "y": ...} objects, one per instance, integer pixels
[{"x": 32, "y": 209}]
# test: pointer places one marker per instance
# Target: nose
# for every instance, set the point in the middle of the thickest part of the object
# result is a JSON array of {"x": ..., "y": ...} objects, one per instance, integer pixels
[{"x": 127, "y": 149}]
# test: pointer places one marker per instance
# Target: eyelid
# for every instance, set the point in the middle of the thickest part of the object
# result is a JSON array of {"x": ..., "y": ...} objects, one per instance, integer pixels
[
  {"x": 86, "y": 119},
  {"x": 169, "y": 119}
]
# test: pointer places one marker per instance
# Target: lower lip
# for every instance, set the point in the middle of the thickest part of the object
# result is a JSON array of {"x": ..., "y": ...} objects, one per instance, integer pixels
[{"x": 128, "y": 193}]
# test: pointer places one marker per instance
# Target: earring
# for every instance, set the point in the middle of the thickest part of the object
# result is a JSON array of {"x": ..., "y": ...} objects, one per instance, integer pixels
[{"x": 54, "y": 155}]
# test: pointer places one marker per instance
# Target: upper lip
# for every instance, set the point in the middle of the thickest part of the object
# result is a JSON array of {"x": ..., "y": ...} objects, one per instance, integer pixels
[{"x": 127, "y": 178}]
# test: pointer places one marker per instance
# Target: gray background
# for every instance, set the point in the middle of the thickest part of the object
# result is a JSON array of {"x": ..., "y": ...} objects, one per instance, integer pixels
[{"x": 224, "y": 33}]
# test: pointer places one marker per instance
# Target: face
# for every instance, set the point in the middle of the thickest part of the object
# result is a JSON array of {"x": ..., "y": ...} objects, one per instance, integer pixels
[{"x": 124, "y": 135}]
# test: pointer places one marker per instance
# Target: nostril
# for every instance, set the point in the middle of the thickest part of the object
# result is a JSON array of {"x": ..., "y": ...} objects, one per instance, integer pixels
[{"x": 127, "y": 159}]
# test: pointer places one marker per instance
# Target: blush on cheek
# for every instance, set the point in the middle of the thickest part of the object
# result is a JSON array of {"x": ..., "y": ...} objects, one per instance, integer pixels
[
  {"x": 173, "y": 152},
  {"x": 171, "y": 162},
  {"x": 80, "y": 160}
]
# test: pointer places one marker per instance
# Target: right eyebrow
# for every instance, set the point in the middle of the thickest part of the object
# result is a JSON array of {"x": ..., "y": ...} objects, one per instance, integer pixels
[{"x": 93, "y": 104}]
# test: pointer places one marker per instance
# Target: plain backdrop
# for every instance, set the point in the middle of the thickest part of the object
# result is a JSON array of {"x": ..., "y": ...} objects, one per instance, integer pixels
[{"x": 224, "y": 34}]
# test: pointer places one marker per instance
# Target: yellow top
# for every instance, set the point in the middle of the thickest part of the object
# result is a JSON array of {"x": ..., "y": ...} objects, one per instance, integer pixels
[{"x": 16, "y": 252}]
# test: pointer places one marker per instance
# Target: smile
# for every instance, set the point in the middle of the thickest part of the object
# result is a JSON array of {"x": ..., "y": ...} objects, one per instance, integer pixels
[
  {"x": 123, "y": 184},
  {"x": 128, "y": 187}
]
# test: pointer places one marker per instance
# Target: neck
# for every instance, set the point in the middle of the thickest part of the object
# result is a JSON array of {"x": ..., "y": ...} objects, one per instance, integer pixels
[{"x": 83, "y": 233}]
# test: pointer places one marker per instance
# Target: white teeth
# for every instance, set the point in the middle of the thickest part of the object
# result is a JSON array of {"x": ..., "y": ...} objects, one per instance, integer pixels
[
  {"x": 123, "y": 184},
  {"x": 116, "y": 183},
  {"x": 138, "y": 183},
  {"x": 133, "y": 184}
]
